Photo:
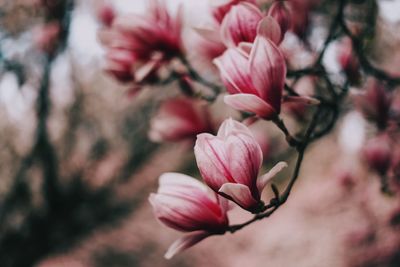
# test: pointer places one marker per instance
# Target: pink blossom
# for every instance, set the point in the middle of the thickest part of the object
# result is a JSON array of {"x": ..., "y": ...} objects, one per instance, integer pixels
[
  {"x": 280, "y": 12},
  {"x": 151, "y": 41},
  {"x": 254, "y": 76},
  {"x": 240, "y": 24},
  {"x": 183, "y": 203},
  {"x": 178, "y": 119},
  {"x": 220, "y": 8},
  {"x": 229, "y": 163}
]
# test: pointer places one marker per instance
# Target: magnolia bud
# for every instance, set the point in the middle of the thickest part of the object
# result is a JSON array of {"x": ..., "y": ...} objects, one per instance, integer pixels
[
  {"x": 280, "y": 12},
  {"x": 378, "y": 154}
]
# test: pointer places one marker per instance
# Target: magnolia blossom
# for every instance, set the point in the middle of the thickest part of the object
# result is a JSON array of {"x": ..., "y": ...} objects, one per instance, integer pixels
[
  {"x": 219, "y": 8},
  {"x": 178, "y": 119},
  {"x": 254, "y": 76},
  {"x": 280, "y": 12},
  {"x": 240, "y": 24},
  {"x": 183, "y": 203},
  {"x": 138, "y": 45},
  {"x": 229, "y": 163}
]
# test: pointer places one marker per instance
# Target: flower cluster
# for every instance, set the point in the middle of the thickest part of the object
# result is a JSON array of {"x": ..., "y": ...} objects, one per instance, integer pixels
[
  {"x": 139, "y": 45},
  {"x": 264, "y": 60},
  {"x": 229, "y": 164}
]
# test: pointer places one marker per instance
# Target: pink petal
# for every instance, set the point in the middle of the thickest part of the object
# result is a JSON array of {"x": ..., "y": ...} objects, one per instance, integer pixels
[
  {"x": 230, "y": 126},
  {"x": 263, "y": 180},
  {"x": 185, "y": 242},
  {"x": 268, "y": 69},
  {"x": 179, "y": 179},
  {"x": 245, "y": 48},
  {"x": 240, "y": 194},
  {"x": 212, "y": 160},
  {"x": 233, "y": 66},
  {"x": 240, "y": 24},
  {"x": 244, "y": 159},
  {"x": 250, "y": 103},
  {"x": 269, "y": 28}
]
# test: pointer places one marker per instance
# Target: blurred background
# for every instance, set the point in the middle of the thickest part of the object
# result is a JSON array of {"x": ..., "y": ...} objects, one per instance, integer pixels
[{"x": 77, "y": 166}]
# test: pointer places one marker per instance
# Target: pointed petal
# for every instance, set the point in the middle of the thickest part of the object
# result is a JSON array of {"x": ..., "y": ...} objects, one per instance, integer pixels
[
  {"x": 240, "y": 24},
  {"x": 238, "y": 193},
  {"x": 250, "y": 103},
  {"x": 263, "y": 180},
  {"x": 212, "y": 160},
  {"x": 230, "y": 126},
  {"x": 269, "y": 28},
  {"x": 185, "y": 242},
  {"x": 233, "y": 67}
]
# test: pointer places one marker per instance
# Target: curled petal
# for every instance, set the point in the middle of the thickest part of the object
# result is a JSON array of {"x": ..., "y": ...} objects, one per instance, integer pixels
[
  {"x": 240, "y": 194},
  {"x": 240, "y": 24},
  {"x": 263, "y": 180},
  {"x": 269, "y": 28},
  {"x": 244, "y": 159},
  {"x": 230, "y": 126},
  {"x": 251, "y": 103},
  {"x": 185, "y": 242}
]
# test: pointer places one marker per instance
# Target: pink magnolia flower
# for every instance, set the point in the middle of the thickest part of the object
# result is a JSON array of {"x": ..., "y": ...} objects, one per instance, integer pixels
[
  {"x": 255, "y": 78},
  {"x": 179, "y": 119},
  {"x": 220, "y": 8},
  {"x": 242, "y": 22},
  {"x": 183, "y": 203},
  {"x": 229, "y": 164},
  {"x": 147, "y": 42},
  {"x": 280, "y": 12}
]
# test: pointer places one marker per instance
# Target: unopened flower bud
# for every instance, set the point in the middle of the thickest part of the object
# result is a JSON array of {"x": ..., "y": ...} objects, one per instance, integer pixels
[
  {"x": 377, "y": 153},
  {"x": 280, "y": 12}
]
